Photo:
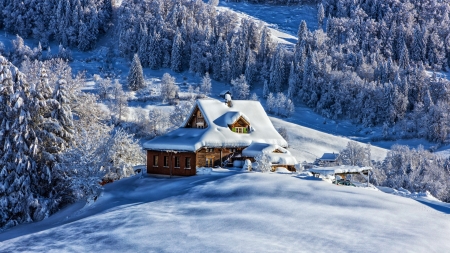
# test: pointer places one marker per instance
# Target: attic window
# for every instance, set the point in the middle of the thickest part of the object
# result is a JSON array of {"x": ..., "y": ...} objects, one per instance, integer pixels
[{"x": 240, "y": 130}]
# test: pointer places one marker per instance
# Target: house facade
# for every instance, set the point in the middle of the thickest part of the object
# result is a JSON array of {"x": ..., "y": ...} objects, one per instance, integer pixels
[{"x": 216, "y": 133}]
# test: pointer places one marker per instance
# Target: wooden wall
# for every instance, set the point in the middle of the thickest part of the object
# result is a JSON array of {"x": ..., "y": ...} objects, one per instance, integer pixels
[
  {"x": 214, "y": 153},
  {"x": 171, "y": 169}
]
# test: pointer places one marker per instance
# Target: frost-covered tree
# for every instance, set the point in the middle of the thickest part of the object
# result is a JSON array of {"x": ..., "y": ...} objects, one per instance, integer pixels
[
  {"x": 240, "y": 89},
  {"x": 283, "y": 132},
  {"x": 277, "y": 71},
  {"x": 135, "y": 79},
  {"x": 119, "y": 102},
  {"x": 158, "y": 122},
  {"x": 169, "y": 90},
  {"x": 179, "y": 113},
  {"x": 270, "y": 103},
  {"x": 266, "y": 89},
  {"x": 123, "y": 153},
  {"x": 263, "y": 163},
  {"x": 19, "y": 175},
  {"x": 353, "y": 154},
  {"x": 320, "y": 15},
  {"x": 254, "y": 97},
  {"x": 205, "y": 86},
  {"x": 177, "y": 53},
  {"x": 104, "y": 87}
]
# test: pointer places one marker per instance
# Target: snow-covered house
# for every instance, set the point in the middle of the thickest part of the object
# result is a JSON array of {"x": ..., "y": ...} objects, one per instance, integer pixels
[
  {"x": 328, "y": 159},
  {"x": 214, "y": 134}
]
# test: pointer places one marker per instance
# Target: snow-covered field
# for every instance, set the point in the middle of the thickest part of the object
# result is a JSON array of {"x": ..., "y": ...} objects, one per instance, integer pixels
[{"x": 237, "y": 212}]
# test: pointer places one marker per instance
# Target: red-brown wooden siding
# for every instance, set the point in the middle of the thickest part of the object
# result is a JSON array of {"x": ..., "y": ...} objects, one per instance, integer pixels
[{"x": 171, "y": 170}]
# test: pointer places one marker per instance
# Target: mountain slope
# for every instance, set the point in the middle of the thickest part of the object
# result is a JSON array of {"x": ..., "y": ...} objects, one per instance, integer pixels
[{"x": 245, "y": 212}]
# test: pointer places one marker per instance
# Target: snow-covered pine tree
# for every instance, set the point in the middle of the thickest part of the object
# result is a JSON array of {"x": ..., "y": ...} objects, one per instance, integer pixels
[
  {"x": 251, "y": 68},
  {"x": 403, "y": 61},
  {"x": 270, "y": 103},
  {"x": 266, "y": 90},
  {"x": 19, "y": 174},
  {"x": 277, "y": 71},
  {"x": 135, "y": 77},
  {"x": 177, "y": 53},
  {"x": 320, "y": 15},
  {"x": 240, "y": 89},
  {"x": 155, "y": 54},
  {"x": 205, "y": 86}
]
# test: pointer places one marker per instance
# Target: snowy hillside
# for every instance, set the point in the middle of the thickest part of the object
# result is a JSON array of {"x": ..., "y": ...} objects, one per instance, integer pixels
[
  {"x": 237, "y": 212},
  {"x": 307, "y": 144}
]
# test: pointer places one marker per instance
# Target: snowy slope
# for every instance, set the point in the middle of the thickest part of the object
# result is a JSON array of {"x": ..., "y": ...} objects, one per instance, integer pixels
[
  {"x": 238, "y": 212},
  {"x": 307, "y": 144}
]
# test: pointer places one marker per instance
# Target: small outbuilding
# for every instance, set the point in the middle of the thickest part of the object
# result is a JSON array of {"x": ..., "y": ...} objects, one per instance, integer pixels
[{"x": 328, "y": 159}]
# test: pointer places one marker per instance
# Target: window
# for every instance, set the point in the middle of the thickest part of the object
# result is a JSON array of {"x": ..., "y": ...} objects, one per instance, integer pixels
[
  {"x": 177, "y": 162},
  {"x": 209, "y": 150},
  {"x": 240, "y": 130},
  {"x": 166, "y": 161},
  {"x": 155, "y": 161},
  {"x": 187, "y": 163},
  {"x": 232, "y": 150}
]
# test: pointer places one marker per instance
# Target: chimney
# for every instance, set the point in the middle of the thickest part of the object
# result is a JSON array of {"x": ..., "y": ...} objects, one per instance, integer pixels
[{"x": 228, "y": 100}]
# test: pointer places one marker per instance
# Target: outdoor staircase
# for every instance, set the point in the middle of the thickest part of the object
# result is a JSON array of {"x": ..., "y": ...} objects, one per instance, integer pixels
[{"x": 225, "y": 163}]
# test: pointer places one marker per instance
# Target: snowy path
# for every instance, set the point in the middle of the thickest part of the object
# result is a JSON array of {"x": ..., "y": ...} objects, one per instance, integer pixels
[{"x": 239, "y": 212}]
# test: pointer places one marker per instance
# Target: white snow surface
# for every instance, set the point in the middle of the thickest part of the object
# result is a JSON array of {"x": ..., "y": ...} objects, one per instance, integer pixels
[
  {"x": 339, "y": 169},
  {"x": 217, "y": 116},
  {"x": 237, "y": 212}
]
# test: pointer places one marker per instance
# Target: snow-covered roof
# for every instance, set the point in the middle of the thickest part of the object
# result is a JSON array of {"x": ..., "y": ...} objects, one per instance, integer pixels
[
  {"x": 231, "y": 117},
  {"x": 339, "y": 170},
  {"x": 283, "y": 158},
  {"x": 224, "y": 92},
  {"x": 217, "y": 116},
  {"x": 329, "y": 157}
]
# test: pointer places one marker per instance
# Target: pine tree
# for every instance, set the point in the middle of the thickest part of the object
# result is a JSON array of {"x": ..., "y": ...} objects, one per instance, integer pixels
[
  {"x": 266, "y": 89},
  {"x": 240, "y": 89},
  {"x": 302, "y": 33},
  {"x": 205, "y": 86},
  {"x": 154, "y": 48},
  {"x": 320, "y": 15},
  {"x": 277, "y": 71},
  {"x": 293, "y": 80},
  {"x": 403, "y": 62},
  {"x": 250, "y": 69},
  {"x": 270, "y": 103},
  {"x": 135, "y": 78},
  {"x": 177, "y": 53}
]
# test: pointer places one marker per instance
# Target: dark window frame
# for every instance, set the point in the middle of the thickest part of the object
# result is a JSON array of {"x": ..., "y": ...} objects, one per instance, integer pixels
[
  {"x": 155, "y": 160},
  {"x": 187, "y": 163},
  {"x": 176, "y": 162},
  {"x": 166, "y": 161}
]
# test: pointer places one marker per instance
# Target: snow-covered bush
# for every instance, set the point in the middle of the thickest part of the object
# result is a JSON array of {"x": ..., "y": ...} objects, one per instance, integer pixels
[{"x": 263, "y": 163}]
